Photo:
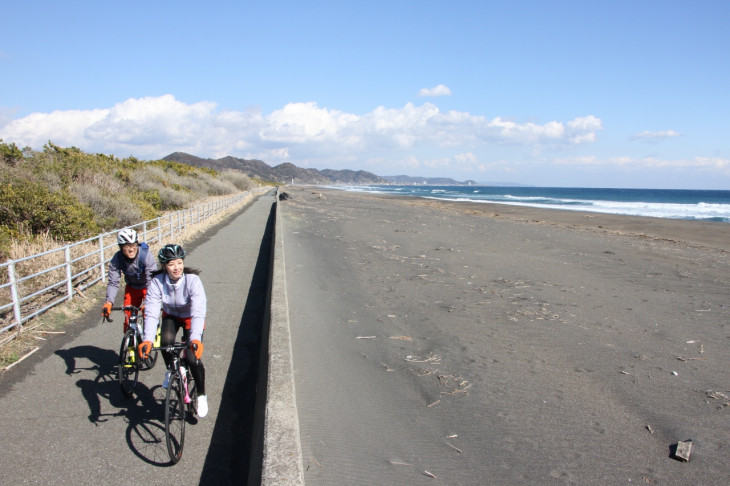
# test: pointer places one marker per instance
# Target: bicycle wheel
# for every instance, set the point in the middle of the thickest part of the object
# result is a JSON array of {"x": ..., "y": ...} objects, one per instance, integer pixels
[
  {"x": 128, "y": 364},
  {"x": 174, "y": 419}
]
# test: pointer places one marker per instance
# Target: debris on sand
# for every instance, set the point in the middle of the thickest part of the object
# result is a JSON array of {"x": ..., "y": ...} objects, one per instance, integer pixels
[
  {"x": 683, "y": 450},
  {"x": 454, "y": 447}
]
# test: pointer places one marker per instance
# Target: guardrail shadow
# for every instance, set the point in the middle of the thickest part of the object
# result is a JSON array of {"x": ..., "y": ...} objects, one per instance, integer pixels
[{"x": 231, "y": 447}]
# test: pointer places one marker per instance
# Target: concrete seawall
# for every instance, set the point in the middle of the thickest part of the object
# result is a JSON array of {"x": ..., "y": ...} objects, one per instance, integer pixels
[{"x": 278, "y": 426}]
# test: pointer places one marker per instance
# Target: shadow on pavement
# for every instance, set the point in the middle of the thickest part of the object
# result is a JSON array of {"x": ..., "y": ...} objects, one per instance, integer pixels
[
  {"x": 230, "y": 451},
  {"x": 146, "y": 430},
  {"x": 105, "y": 385},
  {"x": 144, "y": 412}
]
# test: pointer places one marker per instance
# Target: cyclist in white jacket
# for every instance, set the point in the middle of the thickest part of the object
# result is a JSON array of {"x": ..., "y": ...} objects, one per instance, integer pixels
[{"x": 177, "y": 292}]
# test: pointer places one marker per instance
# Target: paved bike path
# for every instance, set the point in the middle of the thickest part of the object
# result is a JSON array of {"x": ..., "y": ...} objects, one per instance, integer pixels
[{"x": 63, "y": 419}]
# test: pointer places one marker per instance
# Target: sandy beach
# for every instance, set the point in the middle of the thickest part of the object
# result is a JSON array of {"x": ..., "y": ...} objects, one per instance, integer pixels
[{"x": 462, "y": 343}]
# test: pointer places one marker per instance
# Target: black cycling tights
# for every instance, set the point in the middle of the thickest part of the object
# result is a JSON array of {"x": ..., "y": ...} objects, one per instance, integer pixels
[{"x": 168, "y": 330}]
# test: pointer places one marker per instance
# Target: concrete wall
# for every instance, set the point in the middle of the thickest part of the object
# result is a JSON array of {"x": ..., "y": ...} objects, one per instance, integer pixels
[{"x": 278, "y": 439}]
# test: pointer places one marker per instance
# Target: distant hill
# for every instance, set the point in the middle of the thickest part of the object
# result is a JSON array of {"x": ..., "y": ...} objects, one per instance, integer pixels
[
  {"x": 287, "y": 172},
  {"x": 427, "y": 181},
  {"x": 282, "y": 173}
]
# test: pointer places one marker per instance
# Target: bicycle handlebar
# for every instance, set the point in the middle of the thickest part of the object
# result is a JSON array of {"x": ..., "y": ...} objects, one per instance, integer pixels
[
  {"x": 175, "y": 347},
  {"x": 171, "y": 347},
  {"x": 122, "y": 308}
]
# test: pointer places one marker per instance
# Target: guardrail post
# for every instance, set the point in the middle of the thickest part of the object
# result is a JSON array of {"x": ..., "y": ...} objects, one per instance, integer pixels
[
  {"x": 101, "y": 258},
  {"x": 14, "y": 295},
  {"x": 69, "y": 283}
]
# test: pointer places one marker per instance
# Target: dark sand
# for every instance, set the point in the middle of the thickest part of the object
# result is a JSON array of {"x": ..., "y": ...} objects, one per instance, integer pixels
[{"x": 453, "y": 343}]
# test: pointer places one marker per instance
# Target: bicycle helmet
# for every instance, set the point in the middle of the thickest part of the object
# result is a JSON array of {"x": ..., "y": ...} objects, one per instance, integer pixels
[
  {"x": 127, "y": 236},
  {"x": 170, "y": 252}
]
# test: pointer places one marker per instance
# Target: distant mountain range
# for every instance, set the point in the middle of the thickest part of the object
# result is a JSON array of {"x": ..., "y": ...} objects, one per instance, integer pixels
[
  {"x": 427, "y": 181},
  {"x": 283, "y": 173},
  {"x": 287, "y": 173}
]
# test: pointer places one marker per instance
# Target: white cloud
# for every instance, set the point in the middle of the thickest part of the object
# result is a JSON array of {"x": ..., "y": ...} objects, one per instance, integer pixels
[
  {"x": 303, "y": 133},
  {"x": 655, "y": 136},
  {"x": 440, "y": 90},
  {"x": 465, "y": 158},
  {"x": 716, "y": 163}
]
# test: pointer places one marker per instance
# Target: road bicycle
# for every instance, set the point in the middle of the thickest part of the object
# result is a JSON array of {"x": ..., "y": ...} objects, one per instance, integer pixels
[
  {"x": 129, "y": 364},
  {"x": 181, "y": 399}
]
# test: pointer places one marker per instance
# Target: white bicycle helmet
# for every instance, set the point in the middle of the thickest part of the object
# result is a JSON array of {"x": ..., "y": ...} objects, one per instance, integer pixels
[{"x": 127, "y": 236}]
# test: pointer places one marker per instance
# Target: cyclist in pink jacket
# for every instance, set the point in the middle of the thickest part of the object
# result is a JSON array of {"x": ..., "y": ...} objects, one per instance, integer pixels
[{"x": 177, "y": 292}]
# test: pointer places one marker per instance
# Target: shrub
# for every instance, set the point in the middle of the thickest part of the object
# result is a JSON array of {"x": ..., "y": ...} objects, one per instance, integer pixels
[
  {"x": 58, "y": 214},
  {"x": 218, "y": 186},
  {"x": 36, "y": 191},
  {"x": 182, "y": 170},
  {"x": 239, "y": 179},
  {"x": 7, "y": 235},
  {"x": 112, "y": 209},
  {"x": 171, "y": 199},
  {"x": 10, "y": 153}
]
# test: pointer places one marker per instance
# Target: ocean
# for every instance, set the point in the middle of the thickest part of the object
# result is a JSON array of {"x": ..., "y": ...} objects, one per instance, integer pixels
[{"x": 708, "y": 205}]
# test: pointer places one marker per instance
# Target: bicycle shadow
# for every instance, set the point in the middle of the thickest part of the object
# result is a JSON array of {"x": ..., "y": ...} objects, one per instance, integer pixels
[
  {"x": 146, "y": 427},
  {"x": 144, "y": 412}
]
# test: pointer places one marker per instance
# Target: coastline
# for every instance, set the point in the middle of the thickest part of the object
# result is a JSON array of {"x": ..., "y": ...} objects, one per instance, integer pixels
[
  {"x": 476, "y": 340},
  {"x": 702, "y": 233}
]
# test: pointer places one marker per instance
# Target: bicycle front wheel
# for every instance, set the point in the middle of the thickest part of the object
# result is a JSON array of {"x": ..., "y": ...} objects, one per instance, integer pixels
[
  {"x": 128, "y": 364},
  {"x": 174, "y": 419}
]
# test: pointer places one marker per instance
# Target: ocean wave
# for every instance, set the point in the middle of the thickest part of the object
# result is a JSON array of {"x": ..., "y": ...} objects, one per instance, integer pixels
[{"x": 673, "y": 204}]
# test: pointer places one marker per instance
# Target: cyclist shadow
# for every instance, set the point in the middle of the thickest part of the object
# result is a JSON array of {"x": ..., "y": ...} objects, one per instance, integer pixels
[
  {"x": 101, "y": 359},
  {"x": 103, "y": 362},
  {"x": 144, "y": 411}
]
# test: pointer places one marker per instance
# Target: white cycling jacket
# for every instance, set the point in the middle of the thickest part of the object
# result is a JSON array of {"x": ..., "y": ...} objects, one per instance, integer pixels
[{"x": 184, "y": 298}]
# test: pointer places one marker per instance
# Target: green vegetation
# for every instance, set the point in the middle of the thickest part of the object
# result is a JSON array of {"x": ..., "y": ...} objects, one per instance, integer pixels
[
  {"x": 66, "y": 195},
  {"x": 264, "y": 182}
]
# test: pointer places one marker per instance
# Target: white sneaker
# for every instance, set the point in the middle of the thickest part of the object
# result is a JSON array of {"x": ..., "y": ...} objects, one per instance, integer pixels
[
  {"x": 202, "y": 405},
  {"x": 166, "y": 381}
]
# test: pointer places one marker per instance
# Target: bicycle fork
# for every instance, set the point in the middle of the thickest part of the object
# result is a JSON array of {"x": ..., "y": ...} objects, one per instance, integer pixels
[{"x": 184, "y": 377}]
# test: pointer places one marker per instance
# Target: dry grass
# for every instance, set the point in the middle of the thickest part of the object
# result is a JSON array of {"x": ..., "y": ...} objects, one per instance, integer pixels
[{"x": 14, "y": 346}]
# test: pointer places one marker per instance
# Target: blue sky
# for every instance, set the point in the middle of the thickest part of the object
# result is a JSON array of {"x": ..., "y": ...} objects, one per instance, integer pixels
[{"x": 548, "y": 93}]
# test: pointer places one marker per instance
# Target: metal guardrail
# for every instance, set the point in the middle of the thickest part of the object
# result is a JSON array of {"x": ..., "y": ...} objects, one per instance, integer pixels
[{"x": 36, "y": 283}]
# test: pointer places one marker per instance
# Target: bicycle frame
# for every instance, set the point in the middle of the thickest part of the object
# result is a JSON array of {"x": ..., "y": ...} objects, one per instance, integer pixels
[{"x": 129, "y": 364}]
